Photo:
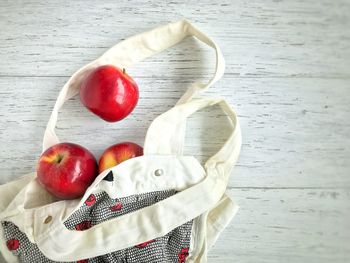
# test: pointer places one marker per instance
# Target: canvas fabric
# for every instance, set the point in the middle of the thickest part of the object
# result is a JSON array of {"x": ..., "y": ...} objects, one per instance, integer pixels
[{"x": 163, "y": 206}]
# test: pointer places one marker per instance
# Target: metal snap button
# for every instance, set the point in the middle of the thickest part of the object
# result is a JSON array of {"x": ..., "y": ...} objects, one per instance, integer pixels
[
  {"x": 158, "y": 172},
  {"x": 48, "y": 219}
]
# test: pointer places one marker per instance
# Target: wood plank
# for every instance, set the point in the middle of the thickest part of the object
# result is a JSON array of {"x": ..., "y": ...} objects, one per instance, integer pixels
[
  {"x": 294, "y": 130},
  {"x": 295, "y": 225},
  {"x": 299, "y": 38}
]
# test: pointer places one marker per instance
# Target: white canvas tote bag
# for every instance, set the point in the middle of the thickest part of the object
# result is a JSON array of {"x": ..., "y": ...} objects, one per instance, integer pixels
[{"x": 160, "y": 207}]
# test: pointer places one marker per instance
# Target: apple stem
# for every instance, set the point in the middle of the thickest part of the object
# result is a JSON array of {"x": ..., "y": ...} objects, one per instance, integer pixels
[
  {"x": 59, "y": 158},
  {"x": 123, "y": 70}
]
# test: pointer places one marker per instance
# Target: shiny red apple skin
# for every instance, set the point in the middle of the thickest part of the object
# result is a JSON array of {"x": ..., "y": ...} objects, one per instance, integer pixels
[
  {"x": 118, "y": 153},
  {"x": 66, "y": 170},
  {"x": 109, "y": 93}
]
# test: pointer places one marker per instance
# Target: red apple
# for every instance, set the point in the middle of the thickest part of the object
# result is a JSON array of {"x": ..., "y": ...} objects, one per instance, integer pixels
[
  {"x": 66, "y": 170},
  {"x": 109, "y": 93},
  {"x": 118, "y": 153}
]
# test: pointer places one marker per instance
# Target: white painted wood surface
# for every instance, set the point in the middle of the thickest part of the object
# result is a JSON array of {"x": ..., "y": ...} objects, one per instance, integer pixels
[{"x": 287, "y": 74}]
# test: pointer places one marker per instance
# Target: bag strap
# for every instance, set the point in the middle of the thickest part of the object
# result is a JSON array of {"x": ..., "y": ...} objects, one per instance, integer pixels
[
  {"x": 133, "y": 50},
  {"x": 165, "y": 135},
  {"x": 62, "y": 244}
]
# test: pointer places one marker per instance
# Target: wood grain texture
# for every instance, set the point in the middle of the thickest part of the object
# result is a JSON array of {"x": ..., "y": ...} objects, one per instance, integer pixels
[
  {"x": 287, "y": 75},
  {"x": 290, "y": 225}
]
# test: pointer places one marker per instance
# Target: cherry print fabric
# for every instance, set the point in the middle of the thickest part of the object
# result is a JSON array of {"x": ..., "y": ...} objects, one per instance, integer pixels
[{"x": 98, "y": 208}]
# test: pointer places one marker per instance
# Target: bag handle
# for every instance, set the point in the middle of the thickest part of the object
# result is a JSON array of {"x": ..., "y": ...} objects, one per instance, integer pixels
[
  {"x": 133, "y": 50},
  {"x": 165, "y": 135},
  {"x": 59, "y": 243}
]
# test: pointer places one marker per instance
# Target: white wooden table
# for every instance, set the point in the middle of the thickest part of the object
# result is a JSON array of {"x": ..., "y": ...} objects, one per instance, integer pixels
[{"x": 287, "y": 74}]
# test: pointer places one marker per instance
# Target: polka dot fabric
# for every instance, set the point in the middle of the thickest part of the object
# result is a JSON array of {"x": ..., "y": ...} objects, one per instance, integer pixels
[
  {"x": 103, "y": 208},
  {"x": 98, "y": 208}
]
